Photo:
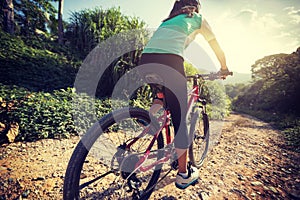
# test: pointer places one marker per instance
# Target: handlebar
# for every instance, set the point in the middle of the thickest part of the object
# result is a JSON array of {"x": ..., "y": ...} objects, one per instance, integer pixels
[{"x": 211, "y": 76}]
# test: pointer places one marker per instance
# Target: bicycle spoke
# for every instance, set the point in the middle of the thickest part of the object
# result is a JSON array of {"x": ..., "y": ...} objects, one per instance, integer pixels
[{"x": 94, "y": 180}]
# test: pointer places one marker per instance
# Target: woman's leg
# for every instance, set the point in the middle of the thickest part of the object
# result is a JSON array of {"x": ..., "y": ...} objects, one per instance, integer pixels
[
  {"x": 179, "y": 121},
  {"x": 182, "y": 160},
  {"x": 176, "y": 99}
]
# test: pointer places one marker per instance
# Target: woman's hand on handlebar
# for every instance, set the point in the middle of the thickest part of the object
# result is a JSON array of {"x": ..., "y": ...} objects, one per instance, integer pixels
[{"x": 224, "y": 72}]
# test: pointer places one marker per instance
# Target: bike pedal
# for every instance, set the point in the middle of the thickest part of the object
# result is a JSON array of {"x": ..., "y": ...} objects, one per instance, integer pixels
[{"x": 174, "y": 165}]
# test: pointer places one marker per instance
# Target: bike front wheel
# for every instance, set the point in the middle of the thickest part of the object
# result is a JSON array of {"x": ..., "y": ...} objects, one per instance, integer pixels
[
  {"x": 102, "y": 165},
  {"x": 199, "y": 137}
]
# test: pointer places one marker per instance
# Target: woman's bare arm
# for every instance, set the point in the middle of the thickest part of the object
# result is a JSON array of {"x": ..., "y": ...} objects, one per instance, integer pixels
[{"x": 208, "y": 34}]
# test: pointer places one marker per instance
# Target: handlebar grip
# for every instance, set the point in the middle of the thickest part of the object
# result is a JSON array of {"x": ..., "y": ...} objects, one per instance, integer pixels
[{"x": 226, "y": 73}]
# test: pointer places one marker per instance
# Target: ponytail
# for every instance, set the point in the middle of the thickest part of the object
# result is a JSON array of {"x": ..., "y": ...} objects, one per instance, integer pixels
[
  {"x": 188, "y": 10},
  {"x": 187, "y": 7}
]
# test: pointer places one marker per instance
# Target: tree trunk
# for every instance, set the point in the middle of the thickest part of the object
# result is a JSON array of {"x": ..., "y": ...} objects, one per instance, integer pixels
[
  {"x": 60, "y": 21},
  {"x": 8, "y": 17}
]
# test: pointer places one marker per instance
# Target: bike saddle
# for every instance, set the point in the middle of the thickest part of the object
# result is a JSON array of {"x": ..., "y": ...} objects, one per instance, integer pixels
[{"x": 154, "y": 78}]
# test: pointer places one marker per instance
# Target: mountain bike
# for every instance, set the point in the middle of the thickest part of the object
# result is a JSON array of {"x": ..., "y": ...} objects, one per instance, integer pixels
[{"x": 123, "y": 154}]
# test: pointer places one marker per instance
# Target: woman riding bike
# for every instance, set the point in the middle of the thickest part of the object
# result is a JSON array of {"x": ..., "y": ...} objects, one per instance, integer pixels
[{"x": 165, "y": 49}]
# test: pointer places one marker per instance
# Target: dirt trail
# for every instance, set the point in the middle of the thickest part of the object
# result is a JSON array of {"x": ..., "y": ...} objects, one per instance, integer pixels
[{"x": 250, "y": 161}]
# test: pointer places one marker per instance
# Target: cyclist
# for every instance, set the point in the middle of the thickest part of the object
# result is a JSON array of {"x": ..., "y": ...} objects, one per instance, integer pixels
[{"x": 166, "y": 47}]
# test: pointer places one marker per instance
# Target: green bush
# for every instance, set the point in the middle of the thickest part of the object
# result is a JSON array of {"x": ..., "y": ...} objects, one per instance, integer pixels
[
  {"x": 48, "y": 115},
  {"x": 51, "y": 115},
  {"x": 219, "y": 104},
  {"x": 35, "y": 64}
]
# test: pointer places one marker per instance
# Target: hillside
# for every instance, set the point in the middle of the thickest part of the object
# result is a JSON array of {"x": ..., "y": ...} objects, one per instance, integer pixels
[{"x": 238, "y": 78}]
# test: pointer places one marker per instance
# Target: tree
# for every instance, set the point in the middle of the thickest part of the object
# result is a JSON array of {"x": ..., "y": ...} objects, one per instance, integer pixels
[
  {"x": 276, "y": 84},
  {"x": 190, "y": 69},
  {"x": 32, "y": 16},
  {"x": 8, "y": 16},
  {"x": 60, "y": 21},
  {"x": 88, "y": 28},
  {"x": 233, "y": 90}
]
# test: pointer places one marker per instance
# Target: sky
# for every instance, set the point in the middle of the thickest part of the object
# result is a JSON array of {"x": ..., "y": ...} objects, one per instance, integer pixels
[{"x": 247, "y": 30}]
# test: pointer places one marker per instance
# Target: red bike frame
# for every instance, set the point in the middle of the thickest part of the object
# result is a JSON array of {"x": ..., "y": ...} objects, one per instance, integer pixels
[{"x": 164, "y": 119}]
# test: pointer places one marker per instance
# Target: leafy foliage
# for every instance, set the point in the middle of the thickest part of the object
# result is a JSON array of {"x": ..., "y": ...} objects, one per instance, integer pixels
[
  {"x": 219, "y": 103},
  {"x": 213, "y": 92},
  {"x": 35, "y": 67},
  {"x": 276, "y": 84},
  {"x": 45, "y": 115},
  {"x": 32, "y": 15},
  {"x": 36, "y": 74},
  {"x": 234, "y": 90},
  {"x": 190, "y": 69},
  {"x": 88, "y": 27}
]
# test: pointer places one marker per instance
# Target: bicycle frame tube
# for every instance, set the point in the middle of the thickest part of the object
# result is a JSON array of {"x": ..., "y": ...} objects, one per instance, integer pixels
[
  {"x": 167, "y": 129},
  {"x": 194, "y": 96},
  {"x": 161, "y": 120}
]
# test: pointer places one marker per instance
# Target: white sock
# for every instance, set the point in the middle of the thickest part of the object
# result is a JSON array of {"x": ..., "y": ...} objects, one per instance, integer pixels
[{"x": 184, "y": 175}]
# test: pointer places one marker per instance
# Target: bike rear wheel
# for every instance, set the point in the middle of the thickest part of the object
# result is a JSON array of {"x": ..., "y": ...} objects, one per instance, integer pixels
[
  {"x": 199, "y": 137},
  {"x": 102, "y": 167}
]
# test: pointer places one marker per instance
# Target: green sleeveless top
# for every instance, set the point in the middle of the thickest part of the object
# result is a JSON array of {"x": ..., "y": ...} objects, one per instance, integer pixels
[{"x": 172, "y": 36}]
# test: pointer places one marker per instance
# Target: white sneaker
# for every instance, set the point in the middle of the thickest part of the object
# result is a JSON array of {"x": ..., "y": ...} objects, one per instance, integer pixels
[{"x": 191, "y": 179}]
